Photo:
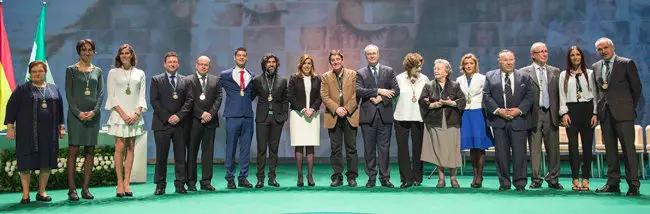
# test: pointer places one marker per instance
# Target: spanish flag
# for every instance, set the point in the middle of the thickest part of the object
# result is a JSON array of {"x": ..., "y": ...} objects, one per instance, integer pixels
[{"x": 7, "y": 81}]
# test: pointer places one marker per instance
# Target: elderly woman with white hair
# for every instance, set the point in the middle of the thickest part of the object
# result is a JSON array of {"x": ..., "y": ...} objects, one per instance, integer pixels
[{"x": 442, "y": 103}]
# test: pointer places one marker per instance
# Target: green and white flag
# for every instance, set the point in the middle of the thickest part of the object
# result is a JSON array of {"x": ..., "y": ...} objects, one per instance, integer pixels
[{"x": 38, "y": 49}]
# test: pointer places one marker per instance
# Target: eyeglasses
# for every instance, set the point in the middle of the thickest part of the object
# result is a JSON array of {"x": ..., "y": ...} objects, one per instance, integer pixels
[{"x": 542, "y": 51}]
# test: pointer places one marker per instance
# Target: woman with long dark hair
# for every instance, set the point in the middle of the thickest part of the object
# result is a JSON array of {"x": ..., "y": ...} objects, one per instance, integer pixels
[{"x": 578, "y": 112}]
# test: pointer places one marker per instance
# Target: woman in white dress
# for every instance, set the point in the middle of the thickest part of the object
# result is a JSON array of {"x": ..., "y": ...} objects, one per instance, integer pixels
[
  {"x": 126, "y": 101},
  {"x": 304, "y": 97}
]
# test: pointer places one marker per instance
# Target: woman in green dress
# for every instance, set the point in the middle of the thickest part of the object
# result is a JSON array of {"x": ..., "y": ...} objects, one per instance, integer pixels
[{"x": 84, "y": 91}]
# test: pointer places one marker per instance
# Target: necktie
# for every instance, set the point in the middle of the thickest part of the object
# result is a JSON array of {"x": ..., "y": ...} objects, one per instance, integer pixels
[
  {"x": 203, "y": 81},
  {"x": 374, "y": 73},
  {"x": 542, "y": 81},
  {"x": 172, "y": 80},
  {"x": 508, "y": 91},
  {"x": 242, "y": 82},
  {"x": 606, "y": 72}
]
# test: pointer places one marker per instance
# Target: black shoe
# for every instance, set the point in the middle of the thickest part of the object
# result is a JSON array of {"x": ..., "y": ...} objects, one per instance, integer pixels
[
  {"x": 454, "y": 184},
  {"x": 405, "y": 185},
  {"x": 160, "y": 190},
  {"x": 633, "y": 191},
  {"x": 387, "y": 184},
  {"x": 520, "y": 189},
  {"x": 128, "y": 194},
  {"x": 209, "y": 187},
  {"x": 231, "y": 185},
  {"x": 273, "y": 182},
  {"x": 556, "y": 186},
  {"x": 259, "y": 184},
  {"x": 244, "y": 183},
  {"x": 504, "y": 188},
  {"x": 352, "y": 182},
  {"x": 72, "y": 195},
  {"x": 608, "y": 188},
  {"x": 535, "y": 185},
  {"x": 336, "y": 183},
  {"x": 417, "y": 183},
  {"x": 371, "y": 183},
  {"x": 181, "y": 190},
  {"x": 476, "y": 185},
  {"x": 85, "y": 194},
  {"x": 25, "y": 201},
  {"x": 120, "y": 195},
  {"x": 311, "y": 184},
  {"x": 39, "y": 197},
  {"x": 441, "y": 184},
  {"x": 191, "y": 187}
]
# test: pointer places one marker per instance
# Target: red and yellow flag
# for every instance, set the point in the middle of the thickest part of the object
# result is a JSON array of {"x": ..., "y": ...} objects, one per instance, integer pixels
[{"x": 7, "y": 81}]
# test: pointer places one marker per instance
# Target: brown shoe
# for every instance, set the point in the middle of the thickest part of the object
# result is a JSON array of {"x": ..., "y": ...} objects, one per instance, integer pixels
[{"x": 585, "y": 185}]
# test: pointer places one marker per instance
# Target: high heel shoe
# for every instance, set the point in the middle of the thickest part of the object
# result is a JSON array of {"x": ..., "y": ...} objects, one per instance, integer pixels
[
  {"x": 118, "y": 194},
  {"x": 39, "y": 197},
  {"x": 479, "y": 182},
  {"x": 128, "y": 194},
  {"x": 310, "y": 180},
  {"x": 300, "y": 182},
  {"x": 85, "y": 194},
  {"x": 25, "y": 200},
  {"x": 72, "y": 195}
]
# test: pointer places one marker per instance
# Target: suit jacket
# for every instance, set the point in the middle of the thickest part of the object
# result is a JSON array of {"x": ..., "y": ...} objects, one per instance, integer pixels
[
  {"x": 525, "y": 95},
  {"x": 473, "y": 91},
  {"x": 212, "y": 101},
  {"x": 279, "y": 104},
  {"x": 367, "y": 88},
  {"x": 452, "y": 114},
  {"x": 623, "y": 90},
  {"x": 552, "y": 76},
  {"x": 296, "y": 93},
  {"x": 329, "y": 93},
  {"x": 164, "y": 106},
  {"x": 237, "y": 105}
]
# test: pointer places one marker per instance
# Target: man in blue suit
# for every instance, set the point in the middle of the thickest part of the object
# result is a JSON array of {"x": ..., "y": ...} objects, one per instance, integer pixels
[
  {"x": 237, "y": 84},
  {"x": 508, "y": 95}
]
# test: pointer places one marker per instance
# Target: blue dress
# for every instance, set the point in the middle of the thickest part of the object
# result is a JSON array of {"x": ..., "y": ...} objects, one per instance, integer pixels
[{"x": 474, "y": 133}]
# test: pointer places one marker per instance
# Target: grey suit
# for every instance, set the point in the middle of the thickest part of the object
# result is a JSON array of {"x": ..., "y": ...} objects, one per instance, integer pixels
[
  {"x": 376, "y": 120},
  {"x": 545, "y": 125},
  {"x": 616, "y": 112},
  {"x": 509, "y": 134}
]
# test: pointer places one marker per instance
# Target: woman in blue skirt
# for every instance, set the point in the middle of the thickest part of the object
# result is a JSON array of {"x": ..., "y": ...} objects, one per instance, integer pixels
[{"x": 474, "y": 133}]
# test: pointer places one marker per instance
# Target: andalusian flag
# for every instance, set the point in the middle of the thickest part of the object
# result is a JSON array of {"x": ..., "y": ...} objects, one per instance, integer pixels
[
  {"x": 38, "y": 50},
  {"x": 7, "y": 81}
]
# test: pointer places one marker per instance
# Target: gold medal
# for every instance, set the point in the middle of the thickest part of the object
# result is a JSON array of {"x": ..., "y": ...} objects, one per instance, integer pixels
[
  {"x": 270, "y": 98},
  {"x": 469, "y": 101},
  {"x": 413, "y": 99},
  {"x": 241, "y": 92},
  {"x": 578, "y": 95},
  {"x": 175, "y": 95},
  {"x": 43, "y": 104},
  {"x": 128, "y": 91},
  {"x": 202, "y": 97},
  {"x": 605, "y": 85},
  {"x": 87, "y": 92}
]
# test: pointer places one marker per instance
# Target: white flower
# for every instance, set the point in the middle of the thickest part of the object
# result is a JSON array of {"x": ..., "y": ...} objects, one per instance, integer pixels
[
  {"x": 13, "y": 168},
  {"x": 112, "y": 165},
  {"x": 101, "y": 158},
  {"x": 98, "y": 167},
  {"x": 37, "y": 171},
  {"x": 59, "y": 165},
  {"x": 105, "y": 166},
  {"x": 80, "y": 164},
  {"x": 14, "y": 163},
  {"x": 95, "y": 159},
  {"x": 111, "y": 157},
  {"x": 7, "y": 168},
  {"x": 10, "y": 174},
  {"x": 53, "y": 171},
  {"x": 78, "y": 159},
  {"x": 8, "y": 163},
  {"x": 95, "y": 162},
  {"x": 61, "y": 170},
  {"x": 78, "y": 169},
  {"x": 64, "y": 160}
]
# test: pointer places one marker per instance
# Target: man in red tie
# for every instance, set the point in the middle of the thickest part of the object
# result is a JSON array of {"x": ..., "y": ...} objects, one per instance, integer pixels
[{"x": 237, "y": 84}]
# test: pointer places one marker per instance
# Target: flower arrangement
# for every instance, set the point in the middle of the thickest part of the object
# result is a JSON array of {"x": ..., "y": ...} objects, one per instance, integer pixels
[{"x": 103, "y": 170}]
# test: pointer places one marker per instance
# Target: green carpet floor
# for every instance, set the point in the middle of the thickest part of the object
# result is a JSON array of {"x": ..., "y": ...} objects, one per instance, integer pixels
[{"x": 323, "y": 199}]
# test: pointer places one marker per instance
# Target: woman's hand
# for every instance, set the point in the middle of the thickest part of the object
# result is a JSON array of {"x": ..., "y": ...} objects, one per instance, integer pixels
[
  {"x": 11, "y": 134},
  {"x": 594, "y": 121},
  {"x": 566, "y": 120},
  {"x": 62, "y": 133}
]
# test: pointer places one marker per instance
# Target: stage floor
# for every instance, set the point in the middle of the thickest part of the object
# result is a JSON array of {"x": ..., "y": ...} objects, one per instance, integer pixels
[{"x": 323, "y": 199}]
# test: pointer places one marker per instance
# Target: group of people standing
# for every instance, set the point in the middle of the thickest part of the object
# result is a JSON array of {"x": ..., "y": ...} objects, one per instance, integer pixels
[{"x": 504, "y": 108}]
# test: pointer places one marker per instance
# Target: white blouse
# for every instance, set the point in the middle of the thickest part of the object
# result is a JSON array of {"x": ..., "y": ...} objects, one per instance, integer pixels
[
  {"x": 307, "y": 81},
  {"x": 406, "y": 109},
  {"x": 569, "y": 95},
  {"x": 117, "y": 82},
  {"x": 474, "y": 91}
]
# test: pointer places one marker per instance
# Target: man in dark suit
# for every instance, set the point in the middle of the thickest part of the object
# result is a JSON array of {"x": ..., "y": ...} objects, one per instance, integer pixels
[
  {"x": 171, "y": 99},
  {"x": 206, "y": 91},
  {"x": 376, "y": 86},
  {"x": 544, "y": 118},
  {"x": 237, "y": 82},
  {"x": 618, "y": 92},
  {"x": 508, "y": 95},
  {"x": 271, "y": 113}
]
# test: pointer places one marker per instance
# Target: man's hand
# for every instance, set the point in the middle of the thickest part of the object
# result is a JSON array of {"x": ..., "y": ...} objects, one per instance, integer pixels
[
  {"x": 435, "y": 105},
  {"x": 594, "y": 121},
  {"x": 173, "y": 119},
  {"x": 504, "y": 113},
  {"x": 514, "y": 112},
  {"x": 206, "y": 117},
  {"x": 386, "y": 92},
  {"x": 566, "y": 120},
  {"x": 341, "y": 112}
]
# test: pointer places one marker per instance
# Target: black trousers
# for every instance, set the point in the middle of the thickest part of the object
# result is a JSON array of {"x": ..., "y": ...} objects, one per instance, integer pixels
[
  {"x": 613, "y": 131},
  {"x": 376, "y": 141},
  {"x": 203, "y": 137},
  {"x": 344, "y": 131},
  {"x": 268, "y": 135},
  {"x": 510, "y": 145},
  {"x": 164, "y": 138},
  {"x": 580, "y": 115},
  {"x": 409, "y": 171}
]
